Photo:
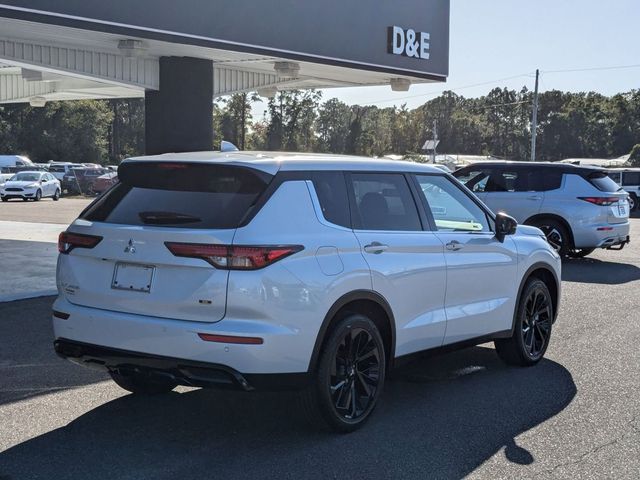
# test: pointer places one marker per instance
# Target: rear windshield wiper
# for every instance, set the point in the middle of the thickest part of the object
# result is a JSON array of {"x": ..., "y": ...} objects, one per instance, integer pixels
[{"x": 167, "y": 218}]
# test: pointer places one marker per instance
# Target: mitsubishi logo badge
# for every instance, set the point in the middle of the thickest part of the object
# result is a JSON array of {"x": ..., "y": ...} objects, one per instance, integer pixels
[{"x": 130, "y": 248}]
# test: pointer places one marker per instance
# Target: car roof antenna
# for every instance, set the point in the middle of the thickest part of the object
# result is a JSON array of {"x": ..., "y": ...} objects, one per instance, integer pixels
[{"x": 228, "y": 147}]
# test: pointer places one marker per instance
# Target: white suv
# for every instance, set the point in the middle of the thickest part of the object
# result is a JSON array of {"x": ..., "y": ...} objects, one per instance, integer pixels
[{"x": 294, "y": 271}]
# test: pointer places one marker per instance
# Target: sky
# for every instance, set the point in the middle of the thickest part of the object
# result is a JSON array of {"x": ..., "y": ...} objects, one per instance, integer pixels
[{"x": 500, "y": 43}]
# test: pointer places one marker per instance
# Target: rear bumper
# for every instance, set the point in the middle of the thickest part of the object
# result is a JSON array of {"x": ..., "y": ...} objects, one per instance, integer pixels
[
  {"x": 180, "y": 371},
  {"x": 601, "y": 236},
  {"x": 284, "y": 350}
]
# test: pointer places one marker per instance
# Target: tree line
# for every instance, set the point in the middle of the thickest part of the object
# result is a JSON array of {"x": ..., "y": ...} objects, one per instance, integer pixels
[{"x": 498, "y": 124}]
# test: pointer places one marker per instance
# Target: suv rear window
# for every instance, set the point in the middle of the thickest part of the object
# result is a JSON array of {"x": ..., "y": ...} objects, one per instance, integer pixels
[
  {"x": 180, "y": 195},
  {"x": 630, "y": 179},
  {"x": 602, "y": 182}
]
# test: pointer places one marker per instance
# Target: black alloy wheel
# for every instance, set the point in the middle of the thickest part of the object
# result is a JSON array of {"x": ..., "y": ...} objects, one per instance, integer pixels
[
  {"x": 532, "y": 327},
  {"x": 556, "y": 234},
  {"x": 536, "y": 322},
  {"x": 350, "y": 375}
]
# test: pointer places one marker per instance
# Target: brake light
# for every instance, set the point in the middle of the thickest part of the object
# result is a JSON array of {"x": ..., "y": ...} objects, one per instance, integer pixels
[
  {"x": 602, "y": 201},
  {"x": 67, "y": 241},
  {"x": 233, "y": 257}
]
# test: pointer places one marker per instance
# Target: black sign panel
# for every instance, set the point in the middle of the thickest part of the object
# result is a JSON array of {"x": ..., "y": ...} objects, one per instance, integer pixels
[{"x": 353, "y": 33}]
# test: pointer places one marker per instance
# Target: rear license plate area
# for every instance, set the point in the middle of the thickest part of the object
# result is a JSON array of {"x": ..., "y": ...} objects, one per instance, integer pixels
[{"x": 133, "y": 277}]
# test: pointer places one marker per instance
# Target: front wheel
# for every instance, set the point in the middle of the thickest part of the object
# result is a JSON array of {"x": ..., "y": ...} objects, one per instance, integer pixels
[
  {"x": 56, "y": 196},
  {"x": 38, "y": 196},
  {"x": 350, "y": 375},
  {"x": 532, "y": 329},
  {"x": 140, "y": 384}
]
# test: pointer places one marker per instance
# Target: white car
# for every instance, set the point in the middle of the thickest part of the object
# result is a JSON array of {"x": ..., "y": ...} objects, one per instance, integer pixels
[
  {"x": 262, "y": 270},
  {"x": 31, "y": 185}
]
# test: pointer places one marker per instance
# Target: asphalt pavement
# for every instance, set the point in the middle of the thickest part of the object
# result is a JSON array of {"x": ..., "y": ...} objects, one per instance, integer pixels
[{"x": 465, "y": 414}]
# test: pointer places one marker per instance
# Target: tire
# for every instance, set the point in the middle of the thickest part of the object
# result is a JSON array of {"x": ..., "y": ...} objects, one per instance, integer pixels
[
  {"x": 25, "y": 199},
  {"x": 347, "y": 382},
  {"x": 5, "y": 199},
  {"x": 56, "y": 196},
  {"x": 580, "y": 252},
  {"x": 532, "y": 329},
  {"x": 38, "y": 196},
  {"x": 557, "y": 235},
  {"x": 633, "y": 202},
  {"x": 139, "y": 384}
]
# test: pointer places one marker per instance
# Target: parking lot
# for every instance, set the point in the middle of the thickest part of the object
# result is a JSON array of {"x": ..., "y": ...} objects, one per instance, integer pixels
[{"x": 575, "y": 415}]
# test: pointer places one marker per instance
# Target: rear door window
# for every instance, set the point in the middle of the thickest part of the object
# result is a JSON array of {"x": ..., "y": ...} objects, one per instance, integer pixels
[
  {"x": 383, "y": 202},
  {"x": 630, "y": 179},
  {"x": 180, "y": 195}
]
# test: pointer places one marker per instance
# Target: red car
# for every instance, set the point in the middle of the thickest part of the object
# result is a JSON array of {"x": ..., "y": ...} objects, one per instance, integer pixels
[{"x": 104, "y": 182}]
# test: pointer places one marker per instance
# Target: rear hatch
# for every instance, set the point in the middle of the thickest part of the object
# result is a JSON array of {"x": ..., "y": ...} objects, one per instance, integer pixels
[
  {"x": 614, "y": 199},
  {"x": 131, "y": 269}
]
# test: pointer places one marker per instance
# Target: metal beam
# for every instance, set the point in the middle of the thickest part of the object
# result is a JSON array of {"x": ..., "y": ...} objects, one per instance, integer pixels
[
  {"x": 106, "y": 67},
  {"x": 229, "y": 80},
  {"x": 14, "y": 88}
]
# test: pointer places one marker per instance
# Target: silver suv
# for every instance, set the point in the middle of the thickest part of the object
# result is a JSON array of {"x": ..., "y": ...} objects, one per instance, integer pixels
[
  {"x": 578, "y": 208},
  {"x": 294, "y": 271}
]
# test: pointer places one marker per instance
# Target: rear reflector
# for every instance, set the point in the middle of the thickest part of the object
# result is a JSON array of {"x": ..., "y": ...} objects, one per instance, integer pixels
[
  {"x": 208, "y": 337},
  {"x": 67, "y": 241},
  {"x": 233, "y": 257},
  {"x": 604, "y": 229},
  {"x": 602, "y": 201},
  {"x": 61, "y": 315}
]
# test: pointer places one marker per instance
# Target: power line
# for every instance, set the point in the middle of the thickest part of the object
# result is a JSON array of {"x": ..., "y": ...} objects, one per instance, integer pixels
[
  {"x": 592, "y": 69},
  {"x": 453, "y": 89}
]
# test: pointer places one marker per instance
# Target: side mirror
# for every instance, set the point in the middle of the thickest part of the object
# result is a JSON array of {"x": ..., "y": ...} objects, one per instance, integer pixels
[{"x": 505, "y": 225}]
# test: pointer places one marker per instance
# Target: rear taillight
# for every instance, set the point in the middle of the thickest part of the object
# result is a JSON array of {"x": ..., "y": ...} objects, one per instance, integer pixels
[
  {"x": 602, "y": 201},
  {"x": 67, "y": 241},
  {"x": 233, "y": 257}
]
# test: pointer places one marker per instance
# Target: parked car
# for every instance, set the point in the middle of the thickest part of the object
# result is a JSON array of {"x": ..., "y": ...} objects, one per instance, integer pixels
[
  {"x": 80, "y": 180},
  {"x": 14, "y": 160},
  {"x": 294, "y": 271},
  {"x": 104, "y": 182},
  {"x": 32, "y": 185},
  {"x": 578, "y": 208},
  {"x": 60, "y": 169},
  {"x": 629, "y": 180}
]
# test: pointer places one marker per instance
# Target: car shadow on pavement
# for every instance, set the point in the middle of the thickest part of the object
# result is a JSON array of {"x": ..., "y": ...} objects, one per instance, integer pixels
[
  {"x": 592, "y": 270},
  {"x": 440, "y": 417},
  {"x": 29, "y": 366}
]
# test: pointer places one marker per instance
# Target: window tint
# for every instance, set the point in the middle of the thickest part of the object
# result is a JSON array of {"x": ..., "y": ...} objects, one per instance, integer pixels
[
  {"x": 452, "y": 209},
  {"x": 602, "y": 182},
  {"x": 180, "y": 195},
  {"x": 332, "y": 194},
  {"x": 615, "y": 176},
  {"x": 474, "y": 180},
  {"x": 384, "y": 202},
  {"x": 631, "y": 178},
  {"x": 544, "y": 179}
]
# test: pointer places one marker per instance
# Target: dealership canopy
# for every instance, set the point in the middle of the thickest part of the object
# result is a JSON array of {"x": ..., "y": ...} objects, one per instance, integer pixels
[{"x": 180, "y": 55}]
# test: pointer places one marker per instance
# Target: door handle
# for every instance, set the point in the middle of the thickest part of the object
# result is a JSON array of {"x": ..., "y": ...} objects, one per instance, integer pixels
[
  {"x": 375, "y": 247},
  {"x": 534, "y": 197},
  {"x": 454, "y": 245}
]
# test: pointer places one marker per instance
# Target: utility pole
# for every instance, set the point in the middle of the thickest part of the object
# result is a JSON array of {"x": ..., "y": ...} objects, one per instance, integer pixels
[
  {"x": 534, "y": 119},
  {"x": 435, "y": 139}
]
